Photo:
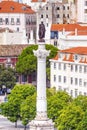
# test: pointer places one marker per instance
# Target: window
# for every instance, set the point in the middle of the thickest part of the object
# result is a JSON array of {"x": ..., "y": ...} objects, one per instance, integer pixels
[
  {"x": 84, "y": 93},
  {"x": 42, "y": 16},
  {"x": 59, "y": 66},
  {"x": 76, "y": 68},
  {"x": 76, "y": 92},
  {"x": 6, "y": 21},
  {"x": 12, "y": 20},
  {"x": 46, "y": 16},
  {"x": 67, "y": 7},
  {"x": 80, "y": 68},
  {"x": 64, "y": 16},
  {"x": 71, "y": 93},
  {"x": 59, "y": 78},
  {"x": 85, "y": 84},
  {"x": 64, "y": 67},
  {"x": 76, "y": 57},
  {"x": 80, "y": 93},
  {"x": 58, "y": 16},
  {"x": 18, "y": 21},
  {"x": 54, "y": 65},
  {"x": 17, "y": 29},
  {"x": 71, "y": 80},
  {"x": 76, "y": 81},
  {"x": 85, "y": 3},
  {"x": 64, "y": 80},
  {"x": 85, "y": 10},
  {"x": 63, "y": 7},
  {"x": 54, "y": 78},
  {"x": 71, "y": 67},
  {"x": 80, "y": 82},
  {"x": 58, "y": 8},
  {"x": 67, "y": 15},
  {"x": 55, "y": 43},
  {"x": 85, "y": 69},
  {"x": 1, "y": 21},
  {"x": 46, "y": 8},
  {"x": 47, "y": 24}
]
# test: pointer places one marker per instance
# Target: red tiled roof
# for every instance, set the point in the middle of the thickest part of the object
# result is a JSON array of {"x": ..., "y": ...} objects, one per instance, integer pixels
[
  {"x": 67, "y": 27},
  {"x": 11, "y": 50},
  {"x": 38, "y": 1},
  {"x": 76, "y": 50},
  {"x": 71, "y": 52},
  {"x": 14, "y": 7}
]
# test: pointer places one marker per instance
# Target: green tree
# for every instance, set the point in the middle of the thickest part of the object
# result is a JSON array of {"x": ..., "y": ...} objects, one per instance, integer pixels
[
  {"x": 81, "y": 101},
  {"x": 27, "y": 62},
  {"x": 19, "y": 93},
  {"x": 56, "y": 103},
  {"x": 83, "y": 123},
  {"x": 70, "y": 118},
  {"x": 7, "y": 78},
  {"x": 28, "y": 109}
]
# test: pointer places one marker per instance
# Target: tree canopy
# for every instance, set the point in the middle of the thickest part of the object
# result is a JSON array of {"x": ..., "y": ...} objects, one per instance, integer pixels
[
  {"x": 66, "y": 113},
  {"x": 27, "y": 62},
  {"x": 12, "y": 108},
  {"x": 7, "y": 77}
]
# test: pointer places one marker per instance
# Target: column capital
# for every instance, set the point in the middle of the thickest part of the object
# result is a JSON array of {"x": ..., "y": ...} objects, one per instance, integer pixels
[{"x": 41, "y": 53}]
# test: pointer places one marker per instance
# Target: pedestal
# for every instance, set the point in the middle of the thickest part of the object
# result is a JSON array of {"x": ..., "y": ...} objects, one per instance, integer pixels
[
  {"x": 41, "y": 121},
  {"x": 41, "y": 125}
]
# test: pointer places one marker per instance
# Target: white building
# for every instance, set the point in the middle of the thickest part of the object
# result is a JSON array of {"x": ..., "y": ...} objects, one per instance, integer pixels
[
  {"x": 81, "y": 6},
  {"x": 73, "y": 39},
  {"x": 69, "y": 71},
  {"x": 9, "y": 37},
  {"x": 18, "y": 17},
  {"x": 68, "y": 35}
]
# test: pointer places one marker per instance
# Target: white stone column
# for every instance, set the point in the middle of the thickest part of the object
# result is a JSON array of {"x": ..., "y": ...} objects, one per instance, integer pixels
[
  {"x": 41, "y": 122},
  {"x": 41, "y": 54}
]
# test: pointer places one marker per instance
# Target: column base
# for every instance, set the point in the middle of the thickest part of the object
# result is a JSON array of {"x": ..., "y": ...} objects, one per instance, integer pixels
[{"x": 41, "y": 125}]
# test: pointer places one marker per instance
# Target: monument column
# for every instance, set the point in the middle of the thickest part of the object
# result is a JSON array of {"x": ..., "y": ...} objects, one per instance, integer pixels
[
  {"x": 41, "y": 54},
  {"x": 41, "y": 121}
]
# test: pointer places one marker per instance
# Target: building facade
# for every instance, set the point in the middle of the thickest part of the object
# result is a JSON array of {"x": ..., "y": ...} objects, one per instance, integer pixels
[
  {"x": 69, "y": 71},
  {"x": 53, "y": 13},
  {"x": 63, "y": 34},
  {"x": 17, "y": 16}
]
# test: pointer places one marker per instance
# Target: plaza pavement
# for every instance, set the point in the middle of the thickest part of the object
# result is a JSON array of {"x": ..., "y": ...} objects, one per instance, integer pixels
[{"x": 7, "y": 125}]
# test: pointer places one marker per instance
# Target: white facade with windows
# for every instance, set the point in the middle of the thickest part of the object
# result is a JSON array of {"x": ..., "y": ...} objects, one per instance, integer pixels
[
  {"x": 17, "y": 17},
  {"x": 81, "y": 6},
  {"x": 69, "y": 71}
]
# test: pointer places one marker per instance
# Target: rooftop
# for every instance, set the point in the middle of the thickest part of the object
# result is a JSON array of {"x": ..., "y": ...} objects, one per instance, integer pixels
[
  {"x": 76, "y": 50},
  {"x": 67, "y": 27},
  {"x": 12, "y": 50},
  {"x": 14, "y": 7},
  {"x": 71, "y": 52}
]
